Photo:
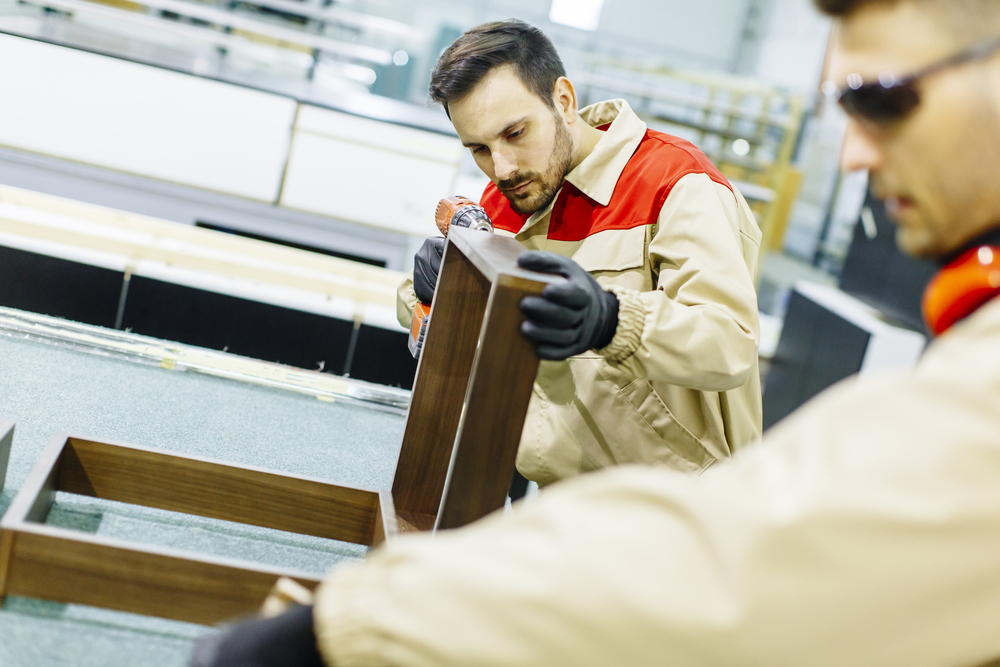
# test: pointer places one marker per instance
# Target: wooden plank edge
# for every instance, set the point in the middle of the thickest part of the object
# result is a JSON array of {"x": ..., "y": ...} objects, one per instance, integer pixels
[
  {"x": 214, "y": 462},
  {"x": 495, "y": 256},
  {"x": 363, "y": 501},
  {"x": 518, "y": 371},
  {"x": 73, "y": 562},
  {"x": 411, "y": 522},
  {"x": 386, "y": 527}
]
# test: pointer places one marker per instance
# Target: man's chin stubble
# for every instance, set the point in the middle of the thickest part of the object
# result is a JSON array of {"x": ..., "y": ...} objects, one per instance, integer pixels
[
  {"x": 524, "y": 207},
  {"x": 555, "y": 175}
]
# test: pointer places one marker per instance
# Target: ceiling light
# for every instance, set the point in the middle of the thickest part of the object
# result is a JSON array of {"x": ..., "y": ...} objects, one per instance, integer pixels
[{"x": 582, "y": 14}]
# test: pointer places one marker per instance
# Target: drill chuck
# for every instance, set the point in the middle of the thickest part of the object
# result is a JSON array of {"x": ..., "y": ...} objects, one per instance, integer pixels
[
  {"x": 473, "y": 217},
  {"x": 461, "y": 212}
]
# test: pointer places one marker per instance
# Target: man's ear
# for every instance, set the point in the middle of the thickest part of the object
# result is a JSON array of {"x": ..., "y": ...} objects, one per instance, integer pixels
[{"x": 564, "y": 97}]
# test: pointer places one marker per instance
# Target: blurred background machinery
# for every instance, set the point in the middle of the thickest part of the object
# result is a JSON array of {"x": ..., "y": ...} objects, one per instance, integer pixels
[{"x": 747, "y": 127}]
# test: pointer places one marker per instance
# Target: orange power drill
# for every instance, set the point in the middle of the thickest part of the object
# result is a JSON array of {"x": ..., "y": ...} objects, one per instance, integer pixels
[{"x": 450, "y": 211}]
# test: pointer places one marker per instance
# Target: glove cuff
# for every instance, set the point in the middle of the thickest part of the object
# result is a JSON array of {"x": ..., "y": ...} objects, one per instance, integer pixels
[{"x": 631, "y": 319}]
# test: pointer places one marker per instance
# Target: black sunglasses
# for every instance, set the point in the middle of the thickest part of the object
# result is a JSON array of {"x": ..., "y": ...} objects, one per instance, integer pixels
[{"x": 890, "y": 99}]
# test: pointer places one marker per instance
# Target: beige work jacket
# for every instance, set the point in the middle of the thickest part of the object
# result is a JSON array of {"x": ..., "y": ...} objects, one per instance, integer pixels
[
  {"x": 864, "y": 532},
  {"x": 679, "y": 384}
]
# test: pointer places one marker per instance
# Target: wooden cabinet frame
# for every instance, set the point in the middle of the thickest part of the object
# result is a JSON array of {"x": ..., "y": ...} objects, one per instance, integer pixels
[
  {"x": 48, "y": 562},
  {"x": 456, "y": 461}
]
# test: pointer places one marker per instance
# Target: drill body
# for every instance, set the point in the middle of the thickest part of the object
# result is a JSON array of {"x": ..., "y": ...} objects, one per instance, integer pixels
[{"x": 450, "y": 211}]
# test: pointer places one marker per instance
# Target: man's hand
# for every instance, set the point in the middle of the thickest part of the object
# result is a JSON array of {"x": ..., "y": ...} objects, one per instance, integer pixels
[
  {"x": 569, "y": 318},
  {"x": 287, "y": 640},
  {"x": 426, "y": 264}
]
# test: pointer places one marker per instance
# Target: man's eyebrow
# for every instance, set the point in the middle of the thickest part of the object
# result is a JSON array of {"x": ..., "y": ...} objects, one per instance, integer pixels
[{"x": 502, "y": 132}]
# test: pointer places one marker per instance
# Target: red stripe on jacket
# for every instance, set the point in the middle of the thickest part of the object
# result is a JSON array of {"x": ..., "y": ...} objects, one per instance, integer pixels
[{"x": 657, "y": 164}]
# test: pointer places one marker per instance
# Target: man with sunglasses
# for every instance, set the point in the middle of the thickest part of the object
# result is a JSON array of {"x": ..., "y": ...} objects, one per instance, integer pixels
[{"x": 863, "y": 531}]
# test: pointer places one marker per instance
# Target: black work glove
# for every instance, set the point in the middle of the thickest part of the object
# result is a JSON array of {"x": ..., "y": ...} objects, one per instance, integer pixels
[
  {"x": 569, "y": 318},
  {"x": 426, "y": 264},
  {"x": 283, "y": 641}
]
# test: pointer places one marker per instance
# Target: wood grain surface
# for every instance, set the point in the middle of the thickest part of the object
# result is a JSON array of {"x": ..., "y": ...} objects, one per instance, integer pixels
[
  {"x": 495, "y": 407},
  {"x": 472, "y": 387},
  {"x": 65, "y": 566},
  {"x": 386, "y": 523},
  {"x": 495, "y": 256},
  {"x": 439, "y": 388},
  {"x": 52, "y": 563},
  {"x": 414, "y": 523},
  {"x": 192, "y": 485}
]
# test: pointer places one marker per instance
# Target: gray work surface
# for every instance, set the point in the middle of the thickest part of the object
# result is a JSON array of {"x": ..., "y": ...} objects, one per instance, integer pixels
[{"x": 45, "y": 389}]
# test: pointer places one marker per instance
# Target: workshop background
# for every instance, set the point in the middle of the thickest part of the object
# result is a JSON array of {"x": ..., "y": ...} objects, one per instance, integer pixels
[
  {"x": 306, "y": 123},
  {"x": 254, "y": 177}
]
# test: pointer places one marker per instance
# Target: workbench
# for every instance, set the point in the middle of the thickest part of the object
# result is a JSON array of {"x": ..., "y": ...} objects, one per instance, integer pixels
[{"x": 342, "y": 431}]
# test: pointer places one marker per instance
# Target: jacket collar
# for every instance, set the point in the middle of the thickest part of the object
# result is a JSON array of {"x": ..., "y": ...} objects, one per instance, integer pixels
[{"x": 598, "y": 174}]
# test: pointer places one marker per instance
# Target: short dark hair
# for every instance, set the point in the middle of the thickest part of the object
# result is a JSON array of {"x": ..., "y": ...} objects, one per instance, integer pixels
[
  {"x": 512, "y": 42},
  {"x": 967, "y": 19}
]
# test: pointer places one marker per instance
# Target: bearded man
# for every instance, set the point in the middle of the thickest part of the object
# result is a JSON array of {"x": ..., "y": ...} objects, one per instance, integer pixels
[{"x": 650, "y": 350}]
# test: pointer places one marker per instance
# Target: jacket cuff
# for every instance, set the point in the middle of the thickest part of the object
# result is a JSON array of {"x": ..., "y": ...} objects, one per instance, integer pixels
[
  {"x": 631, "y": 319},
  {"x": 406, "y": 301}
]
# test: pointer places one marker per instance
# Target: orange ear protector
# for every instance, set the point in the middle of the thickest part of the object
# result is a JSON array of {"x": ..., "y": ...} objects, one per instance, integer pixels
[{"x": 961, "y": 287}]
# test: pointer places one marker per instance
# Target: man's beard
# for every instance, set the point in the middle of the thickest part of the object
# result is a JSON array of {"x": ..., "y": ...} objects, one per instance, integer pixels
[{"x": 549, "y": 182}]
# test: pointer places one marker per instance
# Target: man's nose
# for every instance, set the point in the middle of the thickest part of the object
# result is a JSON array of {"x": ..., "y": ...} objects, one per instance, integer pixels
[
  {"x": 503, "y": 165},
  {"x": 860, "y": 149}
]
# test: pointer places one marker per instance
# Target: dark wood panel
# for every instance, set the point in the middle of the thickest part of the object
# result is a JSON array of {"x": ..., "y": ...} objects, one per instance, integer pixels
[
  {"x": 442, "y": 378},
  {"x": 496, "y": 404},
  {"x": 386, "y": 524},
  {"x": 55, "y": 564},
  {"x": 414, "y": 523},
  {"x": 496, "y": 258},
  {"x": 490, "y": 254},
  {"x": 219, "y": 491},
  {"x": 464, "y": 358}
]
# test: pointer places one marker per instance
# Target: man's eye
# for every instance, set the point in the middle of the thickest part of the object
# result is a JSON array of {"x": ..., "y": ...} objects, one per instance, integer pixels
[
  {"x": 479, "y": 150},
  {"x": 515, "y": 135}
]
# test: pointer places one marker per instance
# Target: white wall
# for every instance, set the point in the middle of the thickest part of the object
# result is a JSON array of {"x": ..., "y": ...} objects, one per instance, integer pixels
[
  {"x": 142, "y": 120},
  {"x": 149, "y": 122},
  {"x": 793, "y": 46},
  {"x": 371, "y": 172}
]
